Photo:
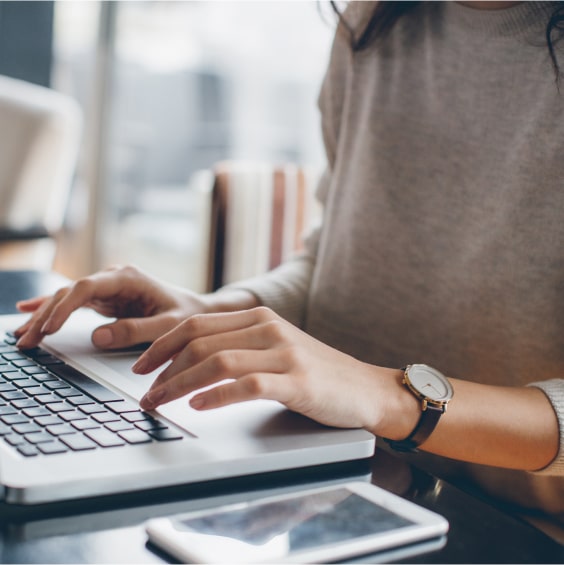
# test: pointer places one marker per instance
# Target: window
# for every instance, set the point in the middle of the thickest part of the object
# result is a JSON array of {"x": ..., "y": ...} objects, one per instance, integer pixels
[{"x": 187, "y": 84}]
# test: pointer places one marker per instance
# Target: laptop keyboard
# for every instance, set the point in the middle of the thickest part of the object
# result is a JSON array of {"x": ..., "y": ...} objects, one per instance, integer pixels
[{"x": 48, "y": 407}]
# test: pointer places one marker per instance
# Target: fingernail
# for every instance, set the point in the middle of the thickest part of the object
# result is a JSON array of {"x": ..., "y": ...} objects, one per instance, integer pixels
[
  {"x": 21, "y": 343},
  {"x": 197, "y": 402},
  {"x": 153, "y": 398},
  {"x": 141, "y": 365},
  {"x": 103, "y": 337}
]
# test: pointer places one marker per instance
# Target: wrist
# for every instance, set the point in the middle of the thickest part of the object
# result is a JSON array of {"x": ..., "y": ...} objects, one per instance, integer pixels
[
  {"x": 229, "y": 300},
  {"x": 400, "y": 410}
]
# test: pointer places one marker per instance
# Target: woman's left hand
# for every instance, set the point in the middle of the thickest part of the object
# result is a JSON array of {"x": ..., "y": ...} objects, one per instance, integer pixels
[{"x": 264, "y": 356}]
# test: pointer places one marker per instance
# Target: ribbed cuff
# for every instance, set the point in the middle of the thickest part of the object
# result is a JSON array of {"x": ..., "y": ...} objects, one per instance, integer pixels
[
  {"x": 554, "y": 390},
  {"x": 285, "y": 289}
]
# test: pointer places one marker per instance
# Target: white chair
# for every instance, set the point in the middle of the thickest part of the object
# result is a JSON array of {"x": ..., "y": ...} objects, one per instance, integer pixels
[{"x": 39, "y": 139}]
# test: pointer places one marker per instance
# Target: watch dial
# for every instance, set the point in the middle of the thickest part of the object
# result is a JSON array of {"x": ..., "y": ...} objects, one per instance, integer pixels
[{"x": 430, "y": 383}]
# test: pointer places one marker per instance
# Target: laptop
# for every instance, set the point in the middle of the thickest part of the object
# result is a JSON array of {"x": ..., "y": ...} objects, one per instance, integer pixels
[{"x": 71, "y": 426}]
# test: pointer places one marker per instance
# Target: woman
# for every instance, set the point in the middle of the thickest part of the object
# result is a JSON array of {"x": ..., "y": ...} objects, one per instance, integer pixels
[{"x": 440, "y": 245}]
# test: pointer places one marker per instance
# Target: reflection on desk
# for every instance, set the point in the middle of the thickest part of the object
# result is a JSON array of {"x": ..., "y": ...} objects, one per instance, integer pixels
[{"x": 112, "y": 531}]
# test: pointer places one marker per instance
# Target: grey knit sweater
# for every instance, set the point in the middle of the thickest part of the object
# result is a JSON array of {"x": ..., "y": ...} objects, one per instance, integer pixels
[{"x": 443, "y": 232}]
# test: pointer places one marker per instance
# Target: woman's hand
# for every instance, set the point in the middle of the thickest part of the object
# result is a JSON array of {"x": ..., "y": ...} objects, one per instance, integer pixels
[
  {"x": 263, "y": 356},
  {"x": 145, "y": 307}
]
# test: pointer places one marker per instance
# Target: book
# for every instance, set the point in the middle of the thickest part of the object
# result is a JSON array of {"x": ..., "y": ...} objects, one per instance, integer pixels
[{"x": 258, "y": 216}]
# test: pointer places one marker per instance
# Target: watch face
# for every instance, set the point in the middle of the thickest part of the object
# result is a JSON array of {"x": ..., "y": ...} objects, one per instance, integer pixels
[{"x": 430, "y": 383}]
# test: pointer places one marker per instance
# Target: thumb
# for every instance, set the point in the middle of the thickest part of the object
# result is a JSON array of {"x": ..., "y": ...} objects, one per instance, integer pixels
[{"x": 132, "y": 331}]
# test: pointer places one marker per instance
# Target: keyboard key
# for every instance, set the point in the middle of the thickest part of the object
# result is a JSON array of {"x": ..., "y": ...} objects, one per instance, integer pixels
[
  {"x": 27, "y": 428},
  {"x": 24, "y": 403},
  {"x": 13, "y": 395},
  {"x": 25, "y": 383},
  {"x": 35, "y": 389},
  {"x": 14, "y": 375},
  {"x": 36, "y": 411},
  {"x": 165, "y": 434},
  {"x": 33, "y": 370},
  {"x": 47, "y": 398},
  {"x": 122, "y": 406},
  {"x": 27, "y": 449},
  {"x": 47, "y": 360},
  {"x": 44, "y": 377},
  {"x": 25, "y": 362},
  {"x": 80, "y": 400},
  {"x": 13, "y": 419},
  {"x": 7, "y": 409},
  {"x": 61, "y": 429},
  {"x": 72, "y": 416},
  {"x": 147, "y": 425},
  {"x": 14, "y": 439},
  {"x": 91, "y": 408},
  {"x": 119, "y": 426},
  {"x": 135, "y": 436},
  {"x": 10, "y": 338},
  {"x": 33, "y": 352},
  {"x": 5, "y": 430},
  {"x": 13, "y": 356},
  {"x": 57, "y": 407},
  {"x": 138, "y": 416},
  {"x": 85, "y": 425},
  {"x": 104, "y": 438},
  {"x": 52, "y": 447},
  {"x": 7, "y": 387},
  {"x": 51, "y": 420},
  {"x": 84, "y": 383},
  {"x": 78, "y": 442},
  {"x": 38, "y": 437},
  {"x": 53, "y": 385},
  {"x": 68, "y": 392},
  {"x": 104, "y": 417}
]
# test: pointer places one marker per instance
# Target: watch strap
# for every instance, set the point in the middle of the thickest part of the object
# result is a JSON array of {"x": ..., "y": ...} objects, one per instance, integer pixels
[{"x": 424, "y": 428}]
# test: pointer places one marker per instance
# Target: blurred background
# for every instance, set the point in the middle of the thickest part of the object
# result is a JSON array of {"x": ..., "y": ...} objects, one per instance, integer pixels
[{"x": 167, "y": 90}]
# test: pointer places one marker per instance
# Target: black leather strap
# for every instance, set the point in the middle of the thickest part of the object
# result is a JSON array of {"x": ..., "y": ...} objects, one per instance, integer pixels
[{"x": 424, "y": 428}]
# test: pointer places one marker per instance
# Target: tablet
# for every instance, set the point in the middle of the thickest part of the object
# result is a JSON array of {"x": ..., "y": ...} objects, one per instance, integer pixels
[{"x": 320, "y": 525}]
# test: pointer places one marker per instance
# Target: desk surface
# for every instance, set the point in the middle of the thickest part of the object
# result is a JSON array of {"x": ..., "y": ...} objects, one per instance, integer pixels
[{"x": 111, "y": 531}]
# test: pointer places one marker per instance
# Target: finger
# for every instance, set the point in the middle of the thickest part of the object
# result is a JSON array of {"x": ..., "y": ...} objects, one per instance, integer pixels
[
  {"x": 232, "y": 364},
  {"x": 202, "y": 348},
  {"x": 99, "y": 286},
  {"x": 132, "y": 331},
  {"x": 31, "y": 333},
  {"x": 18, "y": 332},
  {"x": 31, "y": 304},
  {"x": 195, "y": 327},
  {"x": 250, "y": 387}
]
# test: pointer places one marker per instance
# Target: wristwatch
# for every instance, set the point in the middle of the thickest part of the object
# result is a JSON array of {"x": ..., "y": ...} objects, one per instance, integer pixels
[{"x": 435, "y": 391}]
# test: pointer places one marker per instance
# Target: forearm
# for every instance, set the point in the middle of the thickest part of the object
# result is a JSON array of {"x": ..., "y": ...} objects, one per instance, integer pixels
[{"x": 498, "y": 426}]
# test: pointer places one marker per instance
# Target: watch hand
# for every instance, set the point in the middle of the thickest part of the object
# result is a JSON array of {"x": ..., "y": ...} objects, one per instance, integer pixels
[{"x": 431, "y": 386}]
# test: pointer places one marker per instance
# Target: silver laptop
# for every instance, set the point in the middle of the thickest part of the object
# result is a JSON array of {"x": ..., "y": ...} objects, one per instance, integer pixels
[{"x": 71, "y": 427}]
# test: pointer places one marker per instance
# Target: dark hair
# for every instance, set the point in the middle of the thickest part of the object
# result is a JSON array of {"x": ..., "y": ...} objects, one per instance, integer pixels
[{"x": 387, "y": 13}]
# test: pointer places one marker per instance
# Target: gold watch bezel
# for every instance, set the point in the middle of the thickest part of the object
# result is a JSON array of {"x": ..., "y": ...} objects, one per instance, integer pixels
[{"x": 426, "y": 401}]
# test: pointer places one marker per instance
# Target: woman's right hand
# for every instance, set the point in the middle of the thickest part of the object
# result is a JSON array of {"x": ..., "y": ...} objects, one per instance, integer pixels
[{"x": 145, "y": 308}]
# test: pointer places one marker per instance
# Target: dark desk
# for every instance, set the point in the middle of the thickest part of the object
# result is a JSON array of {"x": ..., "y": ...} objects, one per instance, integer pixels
[{"x": 111, "y": 530}]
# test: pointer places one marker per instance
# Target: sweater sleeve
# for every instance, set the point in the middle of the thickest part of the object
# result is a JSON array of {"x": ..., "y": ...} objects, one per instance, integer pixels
[{"x": 554, "y": 390}]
